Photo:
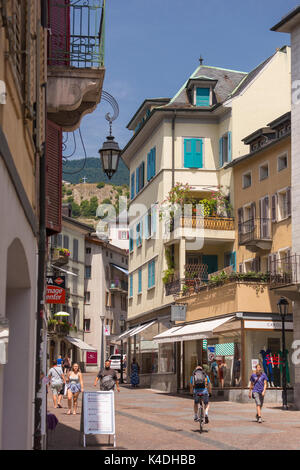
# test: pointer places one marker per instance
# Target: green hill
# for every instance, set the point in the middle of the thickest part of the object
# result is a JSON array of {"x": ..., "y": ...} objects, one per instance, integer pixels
[{"x": 93, "y": 172}]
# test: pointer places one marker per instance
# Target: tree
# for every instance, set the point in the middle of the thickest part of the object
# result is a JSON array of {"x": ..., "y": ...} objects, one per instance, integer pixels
[
  {"x": 93, "y": 206},
  {"x": 85, "y": 208},
  {"x": 75, "y": 209}
]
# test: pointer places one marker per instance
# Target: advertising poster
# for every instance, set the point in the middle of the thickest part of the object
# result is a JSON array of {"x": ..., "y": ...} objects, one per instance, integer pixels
[
  {"x": 55, "y": 290},
  {"x": 99, "y": 412},
  {"x": 91, "y": 357}
]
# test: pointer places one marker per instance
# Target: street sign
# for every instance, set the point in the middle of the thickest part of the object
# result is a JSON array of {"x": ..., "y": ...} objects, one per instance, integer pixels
[
  {"x": 211, "y": 353},
  {"x": 55, "y": 290},
  {"x": 178, "y": 312},
  {"x": 98, "y": 414}
]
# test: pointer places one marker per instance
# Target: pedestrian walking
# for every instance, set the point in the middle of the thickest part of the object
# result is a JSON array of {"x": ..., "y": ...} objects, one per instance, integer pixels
[
  {"x": 74, "y": 387},
  {"x": 134, "y": 376},
  {"x": 257, "y": 389},
  {"x": 108, "y": 378},
  {"x": 66, "y": 365},
  {"x": 59, "y": 360},
  {"x": 57, "y": 381}
]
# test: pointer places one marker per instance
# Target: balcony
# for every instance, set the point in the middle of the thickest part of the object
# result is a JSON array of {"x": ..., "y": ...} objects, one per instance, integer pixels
[
  {"x": 285, "y": 276},
  {"x": 75, "y": 60},
  {"x": 255, "y": 234},
  {"x": 118, "y": 285},
  {"x": 60, "y": 256},
  {"x": 213, "y": 227},
  {"x": 60, "y": 328}
]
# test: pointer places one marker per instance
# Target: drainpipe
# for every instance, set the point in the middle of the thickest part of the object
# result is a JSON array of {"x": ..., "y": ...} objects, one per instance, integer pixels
[
  {"x": 173, "y": 149},
  {"x": 42, "y": 243}
]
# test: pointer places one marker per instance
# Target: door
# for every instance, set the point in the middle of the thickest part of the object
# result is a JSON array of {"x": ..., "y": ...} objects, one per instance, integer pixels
[{"x": 212, "y": 263}]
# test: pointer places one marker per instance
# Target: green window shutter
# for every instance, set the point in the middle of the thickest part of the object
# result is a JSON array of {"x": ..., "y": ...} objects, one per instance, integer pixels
[
  {"x": 132, "y": 186},
  {"x": 221, "y": 152},
  {"x": 130, "y": 285},
  {"x": 149, "y": 166},
  {"x": 229, "y": 147},
  {"x": 153, "y": 273},
  {"x": 233, "y": 260},
  {"x": 137, "y": 178},
  {"x": 188, "y": 153},
  {"x": 202, "y": 96},
  {"x": 131, "y": 240},
  {"x": 149, "y": 275},
  {"x": 198, "y": 153},
  {"x": 153, "y": 161},
  {"x": 140, "y": 281},
  {"x": 142, "y": 175}
]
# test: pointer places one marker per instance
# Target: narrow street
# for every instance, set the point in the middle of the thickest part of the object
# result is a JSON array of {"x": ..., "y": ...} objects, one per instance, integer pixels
[{"x": 150, "y": 420}]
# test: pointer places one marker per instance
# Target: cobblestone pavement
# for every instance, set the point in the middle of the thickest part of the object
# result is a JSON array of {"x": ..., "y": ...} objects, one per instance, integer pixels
[{"x": 152, "y": 420}]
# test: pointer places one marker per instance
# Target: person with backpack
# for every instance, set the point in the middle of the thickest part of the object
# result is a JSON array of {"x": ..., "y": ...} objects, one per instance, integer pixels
[
  {"x": 257, "y": 389},
  {"x": 57, "y": 381},
  {"x": 108, "y": 378},
  {"x": 199, "y": 383}
]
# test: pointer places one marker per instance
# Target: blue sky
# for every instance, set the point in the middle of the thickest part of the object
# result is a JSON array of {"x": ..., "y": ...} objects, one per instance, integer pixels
[{"x": 152, "y": 46}]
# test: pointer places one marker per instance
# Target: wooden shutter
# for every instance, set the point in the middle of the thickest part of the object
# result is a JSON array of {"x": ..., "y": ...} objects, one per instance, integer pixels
[
  {"x": 153, "y": 273},
  {"x": 288, "y": 202},
  {"x": 149, "y": 166},
  {"x": 240, "y": 219},
  {"x": 153, "y": 161},
  {"x": 198, "y": 153},
  {"x": 188, "y": 153},
  {"x": 140, "y": 280},
  {"x": 273, "y": 210},
  {"x": 59, "y": 32},
  {"x": 153, "y": 219},
  {"x": 53, "y": 178},
  {"x": 233, "y": 260},
  {"x": 142, "y": 175},
  {"x": 202, "y": 96},
  {"x": 75, "y": 249},
  {"x": 137, "y": 180}
]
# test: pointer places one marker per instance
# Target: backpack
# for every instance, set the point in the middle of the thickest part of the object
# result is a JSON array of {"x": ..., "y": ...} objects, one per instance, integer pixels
[
  {"x": 199, "y": 378},
  {"x": 107, "y": 383}
]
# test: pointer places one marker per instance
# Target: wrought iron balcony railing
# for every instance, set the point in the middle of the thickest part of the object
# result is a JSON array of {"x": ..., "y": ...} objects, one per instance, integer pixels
[
  {"x": 207, "y": 223},
  {"x": 285, "y": 271},
  {"x": 254, "y": 230},
  {"x": 76, "y": 33}
]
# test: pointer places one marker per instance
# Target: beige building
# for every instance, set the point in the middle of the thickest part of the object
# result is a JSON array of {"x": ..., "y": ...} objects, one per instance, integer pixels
[
  {"x": 189, "y": 139},
  {"x": 106, "y": 289}
]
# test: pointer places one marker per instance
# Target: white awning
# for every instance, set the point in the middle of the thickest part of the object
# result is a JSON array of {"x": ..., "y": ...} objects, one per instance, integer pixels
[
  {"x": 80, "y": 344},
  {"x": 63, "y": 270},
  {"x": 123, "y": 270},
  {"x": 199, "y": 330},
  {"x": 135, "y": 330}
]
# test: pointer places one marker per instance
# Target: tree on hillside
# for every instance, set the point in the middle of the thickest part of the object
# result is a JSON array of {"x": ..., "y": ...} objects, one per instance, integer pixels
[
  {"x": 85, "y": 208},
  {"x": 93, "y": 206}
]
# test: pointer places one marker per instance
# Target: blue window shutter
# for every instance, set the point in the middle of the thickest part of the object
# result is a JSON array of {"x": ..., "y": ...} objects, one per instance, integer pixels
[
  {"x": 221, "y": 151},
  {"x": 198, "y": 153},
  {"x": 153, "y": 161},
  {"x": 137, "y": 185},
  {"x": 229, "y": 147},
  {"x": 233, "y": 260},
  {"x": 132, "y": 186},
  {"x": 153, "y": 273},
  {"x": 202, "y": 96},
  {"x": 149, "y": 166},
  {"x": 130, "y": 286},
  {"x": 149, "y": 275},
  {"x": 188, "y": 153},
  {"x": 140, "y": 280},
  {"x": 146, "y": 226},
  {"x": 130, "y": 239},
  {"x": 137, "y": 234},
  {"x": 142, "y": 175}
]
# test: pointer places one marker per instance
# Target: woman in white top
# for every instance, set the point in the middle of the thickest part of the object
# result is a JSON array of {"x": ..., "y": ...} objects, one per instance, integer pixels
[{"x": 74, "y": 386}]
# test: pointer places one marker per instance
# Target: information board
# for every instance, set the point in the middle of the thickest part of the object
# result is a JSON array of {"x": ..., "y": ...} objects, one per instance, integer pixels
[{"x": 98, "y": 414}]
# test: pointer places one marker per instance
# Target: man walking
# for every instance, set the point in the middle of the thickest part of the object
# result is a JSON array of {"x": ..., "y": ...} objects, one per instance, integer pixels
[
  {"x": 257, "y": 389},
  {"x": 108, "y": 378}
]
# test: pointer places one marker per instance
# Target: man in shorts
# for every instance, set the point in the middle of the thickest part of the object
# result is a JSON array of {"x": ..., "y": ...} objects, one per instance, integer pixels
[
  {"x": 57, "y": 381},
  {"x": 195, "y": 390},
  {"x": 257, "y": 389},
  {"x": 108, "y": 378}
]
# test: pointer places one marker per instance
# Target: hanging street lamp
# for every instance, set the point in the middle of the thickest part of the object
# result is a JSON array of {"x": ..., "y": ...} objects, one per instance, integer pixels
[
  {"x": 283, "y": 306},
  {"x": 110, "y": 151}
]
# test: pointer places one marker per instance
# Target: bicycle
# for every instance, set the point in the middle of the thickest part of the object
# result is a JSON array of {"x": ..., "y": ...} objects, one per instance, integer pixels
[{"x": 201, "y": 412}]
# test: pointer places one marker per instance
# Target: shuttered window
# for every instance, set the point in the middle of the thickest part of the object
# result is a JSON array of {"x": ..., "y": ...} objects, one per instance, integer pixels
[
  {"x": 140, "y": 281},
  {"x": 132, "y": 186},
  {"x": 59, "y": 32},
  {"x": 151, "y": 274},
  {"x": 202, "y": 96},
  {"x": 225, "y": 149},
  {"x": 193, "y": 153},
  {"x": 130, "y": 285},
  {"x": 151, "y": 164},
  {"x": 53, "y": 178},
  {"x": 75, "y": 249}
]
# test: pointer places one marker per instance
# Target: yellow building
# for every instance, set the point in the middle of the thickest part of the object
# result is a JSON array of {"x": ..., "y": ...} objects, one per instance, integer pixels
[{"x": 189, "y": 139}]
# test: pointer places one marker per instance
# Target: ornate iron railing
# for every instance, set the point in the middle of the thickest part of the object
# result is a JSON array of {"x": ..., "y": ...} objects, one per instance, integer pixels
[
  {"x": 194, "y": 222},
  {"x": 76, "y": 33},
  {"x": 285, "y": 271},
  {"x": 254, "y": 229}
]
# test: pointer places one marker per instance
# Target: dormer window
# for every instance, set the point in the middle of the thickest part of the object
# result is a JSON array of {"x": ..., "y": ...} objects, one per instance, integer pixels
[{"x": 202, "y": 96}]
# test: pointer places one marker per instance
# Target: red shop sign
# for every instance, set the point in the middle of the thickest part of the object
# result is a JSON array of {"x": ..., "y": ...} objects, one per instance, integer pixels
[{"x": 91, "y": 357}]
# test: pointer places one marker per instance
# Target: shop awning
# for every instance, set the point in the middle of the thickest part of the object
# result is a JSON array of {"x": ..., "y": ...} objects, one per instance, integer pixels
[
  {"x": 123, "y": 270},
  {"x": 199, "y": 330},
  {"x": 63, "y": 270},
  {"x": 135, "y": 330},
  {"x": 80, "y": 344}
]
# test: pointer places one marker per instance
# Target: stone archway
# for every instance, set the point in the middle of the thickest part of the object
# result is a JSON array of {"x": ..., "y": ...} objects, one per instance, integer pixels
[{"x": 17, "y": 385}]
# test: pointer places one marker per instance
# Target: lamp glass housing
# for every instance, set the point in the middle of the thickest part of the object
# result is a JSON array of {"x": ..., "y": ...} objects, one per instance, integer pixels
[{"x": 110, "y": 155}]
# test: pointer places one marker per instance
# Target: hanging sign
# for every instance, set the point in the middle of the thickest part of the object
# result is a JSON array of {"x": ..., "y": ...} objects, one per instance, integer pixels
[
  {"x": 56, "y": 290},
  {"x": 98, "y": 414},
  {"x": 178, "y": 312},
  {"x": 106, "y": 330}
]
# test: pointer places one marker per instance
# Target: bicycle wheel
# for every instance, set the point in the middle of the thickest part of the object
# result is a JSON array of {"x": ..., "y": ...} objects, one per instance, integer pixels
[{"x": 201, "y": 418}]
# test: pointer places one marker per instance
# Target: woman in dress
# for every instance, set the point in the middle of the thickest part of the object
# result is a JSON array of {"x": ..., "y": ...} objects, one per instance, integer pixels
[
  {"x": 74, "y": 386},
  {"x": 134, "y": 377}
]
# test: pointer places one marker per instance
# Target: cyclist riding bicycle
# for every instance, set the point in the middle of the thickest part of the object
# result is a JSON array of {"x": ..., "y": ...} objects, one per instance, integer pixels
[{"x": 199, "y": 384}]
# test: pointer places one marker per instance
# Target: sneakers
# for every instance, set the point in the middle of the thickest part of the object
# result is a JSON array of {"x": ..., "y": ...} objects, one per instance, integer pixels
[
  {"x": 206, "y": 419},
  {"x": 196, "y": 418},
  {"x": 259, "y": 420}
]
